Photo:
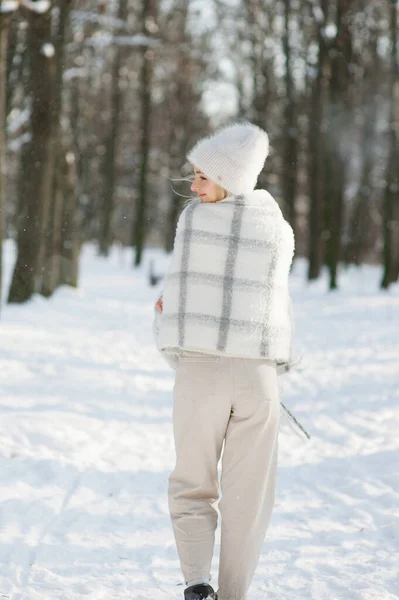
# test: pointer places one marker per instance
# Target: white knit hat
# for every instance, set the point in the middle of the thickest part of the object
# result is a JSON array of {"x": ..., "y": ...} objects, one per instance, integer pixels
[{"x": 232, "y": 157}]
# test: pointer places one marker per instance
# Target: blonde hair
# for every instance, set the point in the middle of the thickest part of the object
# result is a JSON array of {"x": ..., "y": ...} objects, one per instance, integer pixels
[{"x": 188, "y": 199}]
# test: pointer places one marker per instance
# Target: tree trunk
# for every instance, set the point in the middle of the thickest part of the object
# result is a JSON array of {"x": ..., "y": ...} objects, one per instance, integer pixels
[
  {"x": 262, "y": 64},
  {"x": 338, "y": 137},
  {"x": 316, "y": 159},
  {"x": 37, "y": 178},
  {"x": 391, "y": 196},
  {"x": 16, "y": 58},
  {"x": 112, "y": 142},
  {"x": 360, "y": 224},
  {"x": 51, "y": 272},
  {"x": 178, "y": 101},
  {"x": 3, "y": 77},
  {"x": 256, "y": 39},
  {"x": 70, "y": 239},
  {"x": 175, "y": 154},
  {"x": 289, "y": 175},
  {"x": 139, "y": 225}
]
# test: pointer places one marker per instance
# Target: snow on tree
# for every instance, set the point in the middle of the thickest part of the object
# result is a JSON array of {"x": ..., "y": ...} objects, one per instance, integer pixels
[{"x": 40, "y": 7}]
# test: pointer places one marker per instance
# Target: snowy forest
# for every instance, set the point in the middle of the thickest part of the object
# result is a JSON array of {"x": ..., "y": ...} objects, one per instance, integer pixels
[{"x": 100, "y": 101}]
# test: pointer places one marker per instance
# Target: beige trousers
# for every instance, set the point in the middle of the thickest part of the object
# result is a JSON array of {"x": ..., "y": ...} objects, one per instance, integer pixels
[{"x": 235, "y": 400}]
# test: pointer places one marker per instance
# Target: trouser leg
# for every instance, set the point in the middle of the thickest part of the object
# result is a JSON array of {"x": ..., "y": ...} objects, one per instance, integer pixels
[
  {"x": 200, "y": 418},
  {"x": 248, "y": 475}
]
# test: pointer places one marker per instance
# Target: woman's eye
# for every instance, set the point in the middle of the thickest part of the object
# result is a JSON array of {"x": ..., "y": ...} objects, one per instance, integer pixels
[{"x": 203, "y": 178}]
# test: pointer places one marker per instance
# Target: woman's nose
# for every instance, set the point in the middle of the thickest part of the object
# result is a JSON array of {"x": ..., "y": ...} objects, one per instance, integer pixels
[{"x": 194, "y": 186}]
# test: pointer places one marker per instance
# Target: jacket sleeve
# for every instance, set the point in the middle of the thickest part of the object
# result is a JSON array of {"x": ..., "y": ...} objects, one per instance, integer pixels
[
  {"x": 286, "y": 263},
  {"x": 171, "y": 357}
]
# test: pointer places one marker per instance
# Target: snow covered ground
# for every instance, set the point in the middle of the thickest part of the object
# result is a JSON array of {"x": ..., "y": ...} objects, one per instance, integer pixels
[{"x": 86, "y": 445}]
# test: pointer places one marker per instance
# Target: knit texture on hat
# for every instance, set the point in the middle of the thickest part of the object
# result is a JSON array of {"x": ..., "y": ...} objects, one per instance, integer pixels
[{"x": 232, "y": 157}]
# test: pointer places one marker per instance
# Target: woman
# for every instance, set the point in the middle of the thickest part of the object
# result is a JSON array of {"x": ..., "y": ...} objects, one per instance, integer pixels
[{"x": 224, "y": 323}]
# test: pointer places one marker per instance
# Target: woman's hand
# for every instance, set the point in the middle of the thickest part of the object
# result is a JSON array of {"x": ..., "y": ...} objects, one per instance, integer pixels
[{"x": 159, "y": 304}]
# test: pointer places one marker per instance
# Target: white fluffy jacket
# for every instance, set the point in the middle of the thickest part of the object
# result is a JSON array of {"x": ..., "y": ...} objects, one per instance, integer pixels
[{"x": 226, "y": 288}]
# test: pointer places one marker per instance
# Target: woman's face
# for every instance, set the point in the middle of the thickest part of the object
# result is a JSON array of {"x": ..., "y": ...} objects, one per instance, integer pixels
[{"x": 207, "y": 190}]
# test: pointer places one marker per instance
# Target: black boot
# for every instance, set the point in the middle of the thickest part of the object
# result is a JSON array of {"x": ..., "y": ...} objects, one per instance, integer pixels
[{"x": 202, "y": 591}]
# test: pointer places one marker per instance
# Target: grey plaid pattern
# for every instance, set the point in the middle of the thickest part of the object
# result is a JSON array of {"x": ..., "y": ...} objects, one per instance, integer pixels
[
  {"x": 226, "y": 289},
  {"x": 266, "y": 326},
  {"x": 215, "y": 239},
  {"x": 228, "y": 279},
  {"x": 183, "y": 273},
  {"x": 240, "y": 283}
]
